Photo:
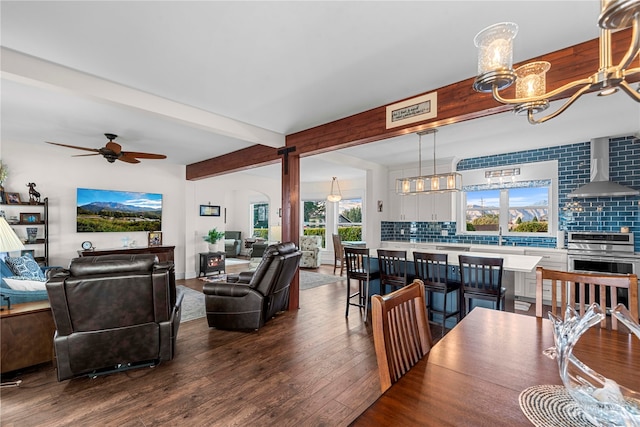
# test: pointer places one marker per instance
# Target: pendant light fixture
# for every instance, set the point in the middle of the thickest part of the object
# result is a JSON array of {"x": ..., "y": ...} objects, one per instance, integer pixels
[
  {"x": 495, "y": 64},
  {"x": 425, "y": 184},
  {"x": 335, "y": 196}
]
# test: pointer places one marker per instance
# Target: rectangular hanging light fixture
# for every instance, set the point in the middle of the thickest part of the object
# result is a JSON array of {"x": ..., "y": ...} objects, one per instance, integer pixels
[{"x": 426, "y": 184}]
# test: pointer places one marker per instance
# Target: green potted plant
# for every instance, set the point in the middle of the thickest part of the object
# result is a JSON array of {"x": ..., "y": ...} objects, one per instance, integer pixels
[{"x": 212, "y": 238}]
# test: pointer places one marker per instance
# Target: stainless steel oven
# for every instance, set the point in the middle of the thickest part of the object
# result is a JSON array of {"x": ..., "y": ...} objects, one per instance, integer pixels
[{"x": 602, "y": 252}]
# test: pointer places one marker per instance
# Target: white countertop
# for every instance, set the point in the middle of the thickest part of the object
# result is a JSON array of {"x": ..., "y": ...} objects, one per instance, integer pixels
[{"x": 516, "y": 262}]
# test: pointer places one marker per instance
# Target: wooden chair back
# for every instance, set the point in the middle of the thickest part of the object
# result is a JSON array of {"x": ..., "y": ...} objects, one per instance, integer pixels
[
  {"x": 338, "y": 253},
  {"x": 481, "y": 278},
  {"x": 393, "y": 268},
  {"x": 431, "y": 269},
  {"x": 401, "y": 332},
  {"x": 580, "y": 290}
]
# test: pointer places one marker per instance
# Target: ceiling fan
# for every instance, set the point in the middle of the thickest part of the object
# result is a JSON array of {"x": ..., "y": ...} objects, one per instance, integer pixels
[{"x": 113, "y": 151}]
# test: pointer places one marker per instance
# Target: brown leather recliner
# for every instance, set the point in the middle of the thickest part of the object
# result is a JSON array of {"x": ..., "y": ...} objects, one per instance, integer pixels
[
  {"x": 113, "y": 312},
  {"x": 248, "y": 300}
]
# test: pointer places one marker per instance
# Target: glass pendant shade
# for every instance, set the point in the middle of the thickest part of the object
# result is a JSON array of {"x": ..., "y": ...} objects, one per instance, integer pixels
[
  {"x": 335, "y": 196},
  {"x": 532, "y": 79},
  {"x": 495, "y": 47}
]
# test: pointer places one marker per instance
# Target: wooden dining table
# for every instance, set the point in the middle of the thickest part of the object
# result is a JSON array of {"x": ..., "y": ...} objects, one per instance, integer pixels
[{"x": 475, "y": 374}]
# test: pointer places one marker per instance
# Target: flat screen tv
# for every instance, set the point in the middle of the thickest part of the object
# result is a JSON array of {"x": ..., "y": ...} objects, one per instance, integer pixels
[{"x": 109, "y": 210}]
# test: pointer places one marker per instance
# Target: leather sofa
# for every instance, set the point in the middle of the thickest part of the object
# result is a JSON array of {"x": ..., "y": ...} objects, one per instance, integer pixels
[
  {"x": 113, "y": 312},
  {"x": 232, "y": 243},
  {"x": 248, "y": 300}
]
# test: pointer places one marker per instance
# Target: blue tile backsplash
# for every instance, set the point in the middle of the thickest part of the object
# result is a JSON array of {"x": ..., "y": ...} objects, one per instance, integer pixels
[{"x": 599, "y": 214}]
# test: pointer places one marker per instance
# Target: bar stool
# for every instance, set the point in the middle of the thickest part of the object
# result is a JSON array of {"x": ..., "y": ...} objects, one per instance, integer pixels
[
  {"x": 393, "y": 269},
  {"x": 432, "y": 269},
  {"x": 357, "y": 261},
  {"x": 482, "y": 279}
]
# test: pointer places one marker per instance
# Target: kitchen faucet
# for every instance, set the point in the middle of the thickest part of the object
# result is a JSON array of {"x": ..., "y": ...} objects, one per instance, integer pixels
[{"x": 500, "y": 240}]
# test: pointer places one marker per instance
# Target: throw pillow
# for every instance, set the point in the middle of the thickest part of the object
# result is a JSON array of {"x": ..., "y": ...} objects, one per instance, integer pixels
[
  {"x": 25, "y": 266},
  {"x": 19, "y": 283}
]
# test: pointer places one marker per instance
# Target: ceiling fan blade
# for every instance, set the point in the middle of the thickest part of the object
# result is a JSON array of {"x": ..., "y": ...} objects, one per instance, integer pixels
[
  {"x": 85, "y": 155},
  {"x": 74, "y": 146},
  {"x": 114, "y": 146},
  {"x": 128, "y": 159},
  {"x": 144, "y": 155}
]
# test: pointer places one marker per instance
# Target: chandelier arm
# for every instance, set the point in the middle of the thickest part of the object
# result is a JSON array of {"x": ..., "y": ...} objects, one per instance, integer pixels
[
  {"x": 631, "y": 72},
  {"x": 566, "y": 105},
  {"x": 587, "y": 82},
  {"x": 634, "y": 47},
  {"x": 629, "y": 90}
]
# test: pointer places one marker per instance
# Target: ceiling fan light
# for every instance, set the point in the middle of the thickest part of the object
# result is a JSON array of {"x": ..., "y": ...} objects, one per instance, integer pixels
[{"x": 608, "y": 91}]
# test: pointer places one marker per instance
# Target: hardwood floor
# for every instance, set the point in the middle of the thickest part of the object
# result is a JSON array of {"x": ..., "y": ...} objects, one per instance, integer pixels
[{"x": 312, "y": 367}]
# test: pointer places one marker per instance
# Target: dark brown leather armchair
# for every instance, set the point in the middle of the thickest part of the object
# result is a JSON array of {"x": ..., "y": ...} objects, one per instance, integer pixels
[
  {"x": 248, "y": 300},
  {"x": 113, "y": 312}
]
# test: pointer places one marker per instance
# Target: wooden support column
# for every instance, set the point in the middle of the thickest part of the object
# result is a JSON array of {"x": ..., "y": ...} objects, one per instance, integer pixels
[{"x": 291, "y": 212}]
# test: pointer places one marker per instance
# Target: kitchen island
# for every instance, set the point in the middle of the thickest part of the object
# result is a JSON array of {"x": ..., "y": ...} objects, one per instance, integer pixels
[{"x": 515, "y": 266}]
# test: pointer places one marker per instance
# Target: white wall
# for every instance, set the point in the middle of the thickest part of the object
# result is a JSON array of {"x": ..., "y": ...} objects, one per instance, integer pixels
[{"x": 57, "y": 176}]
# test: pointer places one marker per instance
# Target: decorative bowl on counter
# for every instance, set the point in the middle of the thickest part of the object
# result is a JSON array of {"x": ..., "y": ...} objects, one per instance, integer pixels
[{"x": 603, "y": 401}]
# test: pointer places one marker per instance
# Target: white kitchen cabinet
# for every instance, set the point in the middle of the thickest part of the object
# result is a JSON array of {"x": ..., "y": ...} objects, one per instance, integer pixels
[
  {"x": 554, "y": 259},
  {"x": 435, "y": 207},
  {"x": 402, "y": 208}
]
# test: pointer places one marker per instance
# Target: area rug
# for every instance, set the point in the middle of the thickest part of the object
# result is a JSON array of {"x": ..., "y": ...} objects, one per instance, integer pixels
[
  {"x": 192, "y": 304},
  {"x": 236, "y": 261},
  {"x": 310, "y": 280}
]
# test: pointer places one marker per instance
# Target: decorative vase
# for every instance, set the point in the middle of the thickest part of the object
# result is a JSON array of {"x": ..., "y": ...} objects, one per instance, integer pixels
[
  {"x": 604, "y": 401},
  {"x": 32, "y": 234},
  {"x": 214, "y": 247}
]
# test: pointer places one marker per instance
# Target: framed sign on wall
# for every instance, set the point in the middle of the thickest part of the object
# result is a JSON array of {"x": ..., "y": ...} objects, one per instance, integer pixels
[{"x": 209, "y": 210}]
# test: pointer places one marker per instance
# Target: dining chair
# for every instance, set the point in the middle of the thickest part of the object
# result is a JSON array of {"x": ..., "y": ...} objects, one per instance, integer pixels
[
  {"x": 401, "y": 332},
  {"x": 393, "y": 269},
  {"x": 432, "y": 269},
  {"x": 579, "y": 290},
  {"x": 338, "y": 253},
  {"x": 358, "y": 261},
  {"x": 481, "y": 278}
]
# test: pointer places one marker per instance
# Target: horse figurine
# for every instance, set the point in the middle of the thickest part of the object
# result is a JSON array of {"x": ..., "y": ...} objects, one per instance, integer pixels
[{"x": 34, "y": 196}]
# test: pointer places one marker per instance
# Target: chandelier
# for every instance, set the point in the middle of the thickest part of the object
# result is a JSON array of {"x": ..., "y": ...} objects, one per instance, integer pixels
[
  {"x": 424, "y": 184},
  {"x": 495, "y": 64},
  {"x": 335, "y": 196}
]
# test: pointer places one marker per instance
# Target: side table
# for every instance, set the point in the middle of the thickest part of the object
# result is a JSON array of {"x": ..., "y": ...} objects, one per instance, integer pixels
[
  {"x": 211, "y": 262},
  {"x": 26, "y": 335}
]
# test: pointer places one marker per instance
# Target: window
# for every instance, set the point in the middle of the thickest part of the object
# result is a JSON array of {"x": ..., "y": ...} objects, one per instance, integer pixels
[
  {"x": 314, "y": 218},
  {"x": 528, "y": 210},
  {"x": 483, "y": 210},
  {"x": 521, "y": 208},
  {"x": 350, "y": 219},
  {"x": 260, "y": 220}
]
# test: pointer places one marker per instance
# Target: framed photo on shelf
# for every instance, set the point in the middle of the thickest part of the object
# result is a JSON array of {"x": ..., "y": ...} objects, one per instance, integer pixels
[
  {"x": 13, "y": 198},
  {"x": 28, "y": 251},
  {"x": 209, "y": 210},
  {"x": 30, "y": 218},
  {"x": 155, "y": 238}
]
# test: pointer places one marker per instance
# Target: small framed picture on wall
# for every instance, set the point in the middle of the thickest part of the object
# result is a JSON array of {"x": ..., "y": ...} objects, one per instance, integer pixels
[
  {"x": 155, "y": 238},
  {"x": 209, "y": 210}
]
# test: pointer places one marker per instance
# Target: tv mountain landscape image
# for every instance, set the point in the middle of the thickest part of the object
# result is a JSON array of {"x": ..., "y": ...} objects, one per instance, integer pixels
[{"x": 131, "y": 212}]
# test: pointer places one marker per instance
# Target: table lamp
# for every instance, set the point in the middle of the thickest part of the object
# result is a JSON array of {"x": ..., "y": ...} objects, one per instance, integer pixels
[{"x": 9, "y": 242}]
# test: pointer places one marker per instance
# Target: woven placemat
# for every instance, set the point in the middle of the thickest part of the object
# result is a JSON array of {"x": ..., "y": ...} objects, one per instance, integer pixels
[{"x": 552, "y": 406}]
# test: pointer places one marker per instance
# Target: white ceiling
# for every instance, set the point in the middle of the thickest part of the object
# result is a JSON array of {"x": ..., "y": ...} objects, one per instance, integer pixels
[{"x": 274, "y": 68}]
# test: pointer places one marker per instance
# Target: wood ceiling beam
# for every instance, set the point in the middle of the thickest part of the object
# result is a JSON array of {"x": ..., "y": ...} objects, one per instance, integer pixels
[{"x": 457, "y": 102}]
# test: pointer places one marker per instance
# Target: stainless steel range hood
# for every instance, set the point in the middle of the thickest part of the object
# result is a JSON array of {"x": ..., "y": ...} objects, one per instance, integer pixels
[{"x": 600, "y": 184}]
